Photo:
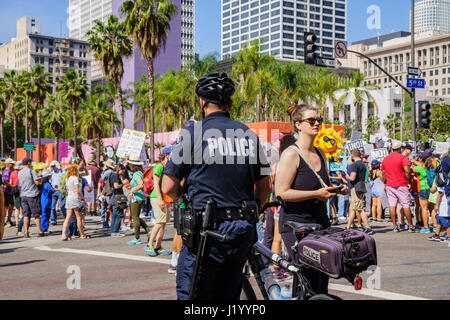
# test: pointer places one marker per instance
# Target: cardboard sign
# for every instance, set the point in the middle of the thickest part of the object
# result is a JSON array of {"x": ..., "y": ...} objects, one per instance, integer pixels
[
  {"x": 353, "y": 145},
  {"x": 441, "y": 147},
  {"x": 379, "y": 154},
  {"x": 368, "y": 148},
  {"x": 372, "y": 139},
  {"x": 130, "y": 144},
  {"x": 356, "y": 135}
]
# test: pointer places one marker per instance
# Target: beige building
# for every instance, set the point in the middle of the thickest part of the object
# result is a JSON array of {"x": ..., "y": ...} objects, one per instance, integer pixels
[
  {"x": 432, "y": 56},
  {"x": 56, "y": 55}
]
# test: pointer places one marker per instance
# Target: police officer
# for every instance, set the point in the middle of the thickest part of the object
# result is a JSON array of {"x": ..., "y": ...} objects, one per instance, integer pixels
[{"x": 220, "y": 159}]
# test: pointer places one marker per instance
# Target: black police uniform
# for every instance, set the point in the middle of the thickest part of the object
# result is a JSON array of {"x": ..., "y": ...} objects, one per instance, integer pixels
[{"x": 225, "y": 168}]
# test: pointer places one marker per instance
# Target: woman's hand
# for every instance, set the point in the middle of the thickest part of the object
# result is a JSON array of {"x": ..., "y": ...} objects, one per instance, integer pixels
[
  {"x": 162, "y": 204},
  {"x": 324, "y": 194}
]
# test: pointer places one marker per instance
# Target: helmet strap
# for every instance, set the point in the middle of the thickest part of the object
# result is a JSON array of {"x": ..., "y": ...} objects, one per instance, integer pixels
[{"x": 203, "y": 108}]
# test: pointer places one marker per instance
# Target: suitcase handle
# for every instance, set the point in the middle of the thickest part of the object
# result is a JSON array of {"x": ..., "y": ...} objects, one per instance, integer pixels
[{"x": 355, "y": 261}]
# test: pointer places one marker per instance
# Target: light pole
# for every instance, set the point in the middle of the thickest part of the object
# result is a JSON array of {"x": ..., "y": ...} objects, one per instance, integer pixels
[{"x": 413, "y": 63}]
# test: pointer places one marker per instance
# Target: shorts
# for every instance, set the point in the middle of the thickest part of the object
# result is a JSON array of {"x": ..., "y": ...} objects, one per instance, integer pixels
[
  {"x": 161, "y": 216},
  {"x": 334, "y": 199},
  {"x": 31, "y": 207},
  {"x": 424, "y": 194},
  {"x": 9, "y": 199},
  {"x": 17, "y": 202},
  {"x": 398, "y": 195},
  {"x": 414, "y": 194},
  {"x": 443, "y": 221},
  {"x": 357, "y": 201}
]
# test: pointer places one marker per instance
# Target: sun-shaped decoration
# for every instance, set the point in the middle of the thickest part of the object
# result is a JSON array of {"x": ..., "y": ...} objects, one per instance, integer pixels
[{"x": 330, "y": 142}]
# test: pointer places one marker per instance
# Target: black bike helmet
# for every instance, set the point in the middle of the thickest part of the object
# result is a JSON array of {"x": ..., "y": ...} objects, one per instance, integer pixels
[{"x": 215, "y": 88}]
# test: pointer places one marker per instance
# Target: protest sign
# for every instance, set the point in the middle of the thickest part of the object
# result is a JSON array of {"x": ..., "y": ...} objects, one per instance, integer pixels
[
  {"x": 356, "y": 135},
  {"x": 130, "y": 144},
  {"x": 441, "y": 148},
  {"x": 372, "y": 139},
  {"x": 368, "y": 150},
  {"x": 109, "y": 151},
  {"x": 379, "y": 154},
  {"x": 352, "y": 145},
  {"x": 89, "y": 196}
]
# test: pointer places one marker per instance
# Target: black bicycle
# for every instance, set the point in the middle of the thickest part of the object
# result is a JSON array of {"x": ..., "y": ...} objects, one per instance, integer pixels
[{"x": 269, "y": 288}]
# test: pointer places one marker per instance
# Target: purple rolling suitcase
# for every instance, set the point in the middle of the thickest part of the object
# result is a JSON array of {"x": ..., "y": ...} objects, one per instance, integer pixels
[{"x": 337, "y": 252}]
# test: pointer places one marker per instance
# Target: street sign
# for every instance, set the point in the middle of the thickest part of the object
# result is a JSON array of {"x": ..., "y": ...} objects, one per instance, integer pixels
[
  {"x": 327, "y": 63},
  {"x": 416, "y": 83},
  {"x": 340, "y": 49},
  {"x": 29, "y": 147},
  {"x": 413, "y": 71}
]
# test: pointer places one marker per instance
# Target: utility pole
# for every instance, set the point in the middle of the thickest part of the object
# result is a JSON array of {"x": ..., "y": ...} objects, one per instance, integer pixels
[{"x": 413, "y": 63}]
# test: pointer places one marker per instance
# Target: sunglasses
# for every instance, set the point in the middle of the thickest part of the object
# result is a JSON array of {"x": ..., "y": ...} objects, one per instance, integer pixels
[
  {"x": 312, "y": 121},
  {"x": 326, "y": 139}
]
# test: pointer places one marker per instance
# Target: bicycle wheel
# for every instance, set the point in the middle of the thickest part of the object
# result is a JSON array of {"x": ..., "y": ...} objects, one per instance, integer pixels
[
  {"x": 247, "y": 292},
  {"x": 324, "y": 297}
]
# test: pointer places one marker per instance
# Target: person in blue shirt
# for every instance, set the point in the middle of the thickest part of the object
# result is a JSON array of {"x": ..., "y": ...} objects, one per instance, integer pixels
[{"x": 47, "y": 192}]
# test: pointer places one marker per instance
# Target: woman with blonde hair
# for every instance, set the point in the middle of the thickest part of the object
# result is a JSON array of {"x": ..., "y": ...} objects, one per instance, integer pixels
[
  {"x": 302, "y": 181},
  {"x": 73, "y": 202}
]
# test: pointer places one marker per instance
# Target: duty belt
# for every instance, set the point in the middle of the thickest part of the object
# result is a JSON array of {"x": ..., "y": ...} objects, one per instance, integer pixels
[{"x": 230, "y": 214}]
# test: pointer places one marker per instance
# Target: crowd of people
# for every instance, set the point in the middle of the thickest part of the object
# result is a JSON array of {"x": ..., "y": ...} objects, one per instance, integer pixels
[
  {"x": 112, "y": 190},
  {"x": 378, "y": 192}
]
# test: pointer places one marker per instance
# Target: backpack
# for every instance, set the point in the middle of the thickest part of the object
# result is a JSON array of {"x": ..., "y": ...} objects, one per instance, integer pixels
[
  {"x": 107, "y": 189},
  {"x": 440, "y": 179},
  {"x": 62, "y": 184},
  {"x": 148, "y": 180}
]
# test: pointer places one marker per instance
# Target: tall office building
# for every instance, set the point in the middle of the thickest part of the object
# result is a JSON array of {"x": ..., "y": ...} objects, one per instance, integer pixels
[
  {"x": 280, "y": 25},
  {"x": 187, "y": 31},
  {"x": 432, "y": 15},
  {"x": 82, "y": 14}
]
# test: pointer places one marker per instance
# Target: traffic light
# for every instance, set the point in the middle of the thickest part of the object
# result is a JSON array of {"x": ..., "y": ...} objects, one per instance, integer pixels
[
  {"x": 424, "y": 115},
  {"x": 310, "y": 54}
]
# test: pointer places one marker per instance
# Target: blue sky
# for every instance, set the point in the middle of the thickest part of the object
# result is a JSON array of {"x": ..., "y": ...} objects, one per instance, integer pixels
[{"x": 394, "y": 16}]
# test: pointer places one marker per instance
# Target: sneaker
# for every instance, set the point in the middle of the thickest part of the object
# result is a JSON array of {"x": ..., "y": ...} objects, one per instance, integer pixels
[
  {"x": 354, "y": 227},
  {"x": 8, "y": 225},
  {"x": 434, "y": 237},
  {"x": 443, "y": 238},
  {"x": 19, "y": 234},
  {"x": 172, "y": 269},
  {"x": 134, "y": 241},
  {"x": 41, "y": 234},
  {"x": 425, "y": 230},
  {"x": 47, "y": 233},
  {"x": 413, "y": 230},
  {"x": 405, "y": 226},
  {"x": 150, "y": 251},
  {"x": 368, "y": 231},
  {"x": 396, "y": 230},
  {"x": 163, "y": 252},
  {"x": 26, "y": 235},
  {"x": 105, "y": 225}
]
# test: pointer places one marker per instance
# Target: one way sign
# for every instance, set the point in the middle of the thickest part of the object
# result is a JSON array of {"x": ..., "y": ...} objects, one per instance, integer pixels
[{"x": 413, "y": 71}]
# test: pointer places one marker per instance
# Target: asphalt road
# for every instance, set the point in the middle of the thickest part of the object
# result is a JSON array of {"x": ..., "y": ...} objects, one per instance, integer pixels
[{"x": 410, "y": 267}]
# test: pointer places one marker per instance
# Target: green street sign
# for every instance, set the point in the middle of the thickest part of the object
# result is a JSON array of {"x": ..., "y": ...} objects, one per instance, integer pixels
[{"x": 29, "y": 147}]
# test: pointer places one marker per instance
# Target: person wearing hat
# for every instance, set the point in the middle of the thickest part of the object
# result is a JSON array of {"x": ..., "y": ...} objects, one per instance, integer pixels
[
  {"x": 138, "y": 198},
  {"x": 418, "y": 167},
  {"x": 8, "y": 191},
  {"x": 55, "y": 181},
  {"x": 396, "y": 174},
  {"x": 407, "y": 149},
  {"x": 106, "y": 192},
  {"x": 160, "y": 207},
  {"x": 47, "y": 192},
  {"x": 95, "y": 175},
  {"x": 30, "y": 196}
]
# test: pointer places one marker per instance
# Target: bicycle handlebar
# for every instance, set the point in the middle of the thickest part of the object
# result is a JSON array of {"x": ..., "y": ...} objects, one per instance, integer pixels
[
  {"x": 279, "y": 202},
  {"x": 283, "y": 263}
]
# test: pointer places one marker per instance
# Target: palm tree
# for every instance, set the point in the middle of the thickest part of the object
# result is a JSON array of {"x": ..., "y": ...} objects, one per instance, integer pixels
[
  {"x": 38, "y": 88},
  {"x": 12, "y": 91},
  {"x": 74, "y": 90},
  {"x": 245, "y": 70},
  {"x": 55, "y": 117},
  {"x": 3, "y": 107},
  {"x": 147, "y": 22},
  {"x": 361, "y": 94},
  {"x": 110, "y": 44},
  {"x": 96, "y": 118},
  {"x": 391, "y": 123},
  {"x": 373, "y": 124}
]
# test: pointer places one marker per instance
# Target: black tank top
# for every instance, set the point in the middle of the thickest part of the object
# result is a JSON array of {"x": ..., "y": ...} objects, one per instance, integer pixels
[{"x": 308, "y": 211}]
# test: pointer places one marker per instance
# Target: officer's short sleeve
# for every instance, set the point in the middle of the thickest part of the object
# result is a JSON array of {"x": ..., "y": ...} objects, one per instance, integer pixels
[
  {"x": 180, "y": 158},
  {"x": 262, "y": 168}
]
